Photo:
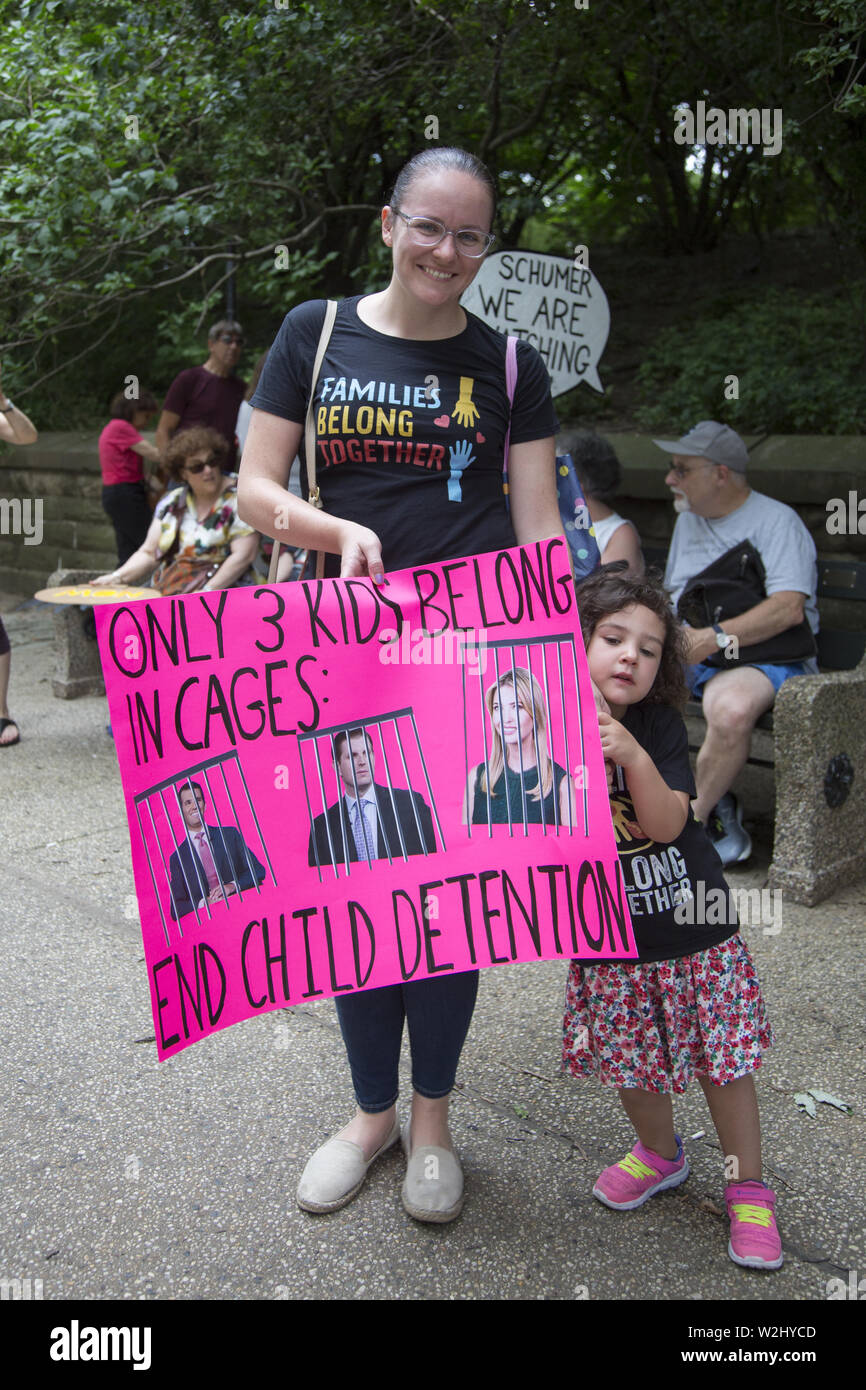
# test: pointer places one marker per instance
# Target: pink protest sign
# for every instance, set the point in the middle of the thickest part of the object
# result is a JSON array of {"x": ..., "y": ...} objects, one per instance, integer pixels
[{"x": 333, "y": 787}]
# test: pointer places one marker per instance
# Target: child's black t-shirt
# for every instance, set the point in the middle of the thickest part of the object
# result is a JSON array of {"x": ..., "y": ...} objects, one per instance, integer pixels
[
  {"x": 409, "y": 434},
  {"x": 657, "y": 876}
]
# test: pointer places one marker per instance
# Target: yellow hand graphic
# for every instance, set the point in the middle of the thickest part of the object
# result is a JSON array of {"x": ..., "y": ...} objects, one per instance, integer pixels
[
  {"x": 465, "y": 411},
  {"x": 624, "y": 827}
]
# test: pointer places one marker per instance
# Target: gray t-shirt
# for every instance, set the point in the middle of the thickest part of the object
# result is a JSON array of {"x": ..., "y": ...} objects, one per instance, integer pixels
[{"x": 776, "y": 532}]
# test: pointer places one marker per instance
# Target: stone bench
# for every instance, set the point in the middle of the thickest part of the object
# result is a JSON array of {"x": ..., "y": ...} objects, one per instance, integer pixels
[
  {"x": 814, "y": 739},
  {"x": 77, "y": 668}
]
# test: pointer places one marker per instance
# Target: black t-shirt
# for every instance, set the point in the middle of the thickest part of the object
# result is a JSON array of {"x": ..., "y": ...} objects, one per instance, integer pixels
[
  {"x": 658, "y": 877},
  {"x": 409, "y": 434},
  {"x": 506, "y": 804}
]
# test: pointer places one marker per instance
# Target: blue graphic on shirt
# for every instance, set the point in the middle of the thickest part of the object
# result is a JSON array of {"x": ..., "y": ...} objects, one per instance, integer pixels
[{"x": 461, "y": 456}]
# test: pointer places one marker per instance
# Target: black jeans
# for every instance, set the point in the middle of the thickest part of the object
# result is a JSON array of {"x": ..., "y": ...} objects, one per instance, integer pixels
[
  {"x": 126, "y": 505},
  {"x": 438, "y": 1011}
]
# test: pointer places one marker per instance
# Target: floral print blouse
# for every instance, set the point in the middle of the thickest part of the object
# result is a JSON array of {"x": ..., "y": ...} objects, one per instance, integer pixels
[{"x": 208, "y": 539}]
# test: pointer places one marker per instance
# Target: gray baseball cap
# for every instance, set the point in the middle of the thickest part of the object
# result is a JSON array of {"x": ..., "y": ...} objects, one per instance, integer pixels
[{"x": 710, "y": 440}]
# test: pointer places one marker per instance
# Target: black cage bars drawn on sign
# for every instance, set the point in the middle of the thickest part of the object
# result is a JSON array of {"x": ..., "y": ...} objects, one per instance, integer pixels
[
  {"x": 198, "y": 888},
  {"x": 335, "y": 845},
  {"x": 553, "y": 665}
]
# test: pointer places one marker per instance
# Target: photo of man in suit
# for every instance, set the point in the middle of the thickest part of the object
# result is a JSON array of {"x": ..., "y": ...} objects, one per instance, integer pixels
[
  {"x": 212, "y": 860},
  {"x": 363, "y": 821}
]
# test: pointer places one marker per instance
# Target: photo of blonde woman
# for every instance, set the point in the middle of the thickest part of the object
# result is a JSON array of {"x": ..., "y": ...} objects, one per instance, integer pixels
[{"x": 517, "y": 783}]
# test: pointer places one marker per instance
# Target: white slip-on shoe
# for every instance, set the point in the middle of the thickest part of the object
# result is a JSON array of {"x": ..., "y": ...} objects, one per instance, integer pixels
[
  {"x": 433, "y": 1186},
  {"x": 336, "y": 1172}
]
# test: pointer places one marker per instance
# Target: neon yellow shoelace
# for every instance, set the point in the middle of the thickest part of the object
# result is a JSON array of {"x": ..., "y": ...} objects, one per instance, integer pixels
[
  {"x": 756, "y": 1216},
  {"x": 636, "y": 1168}
]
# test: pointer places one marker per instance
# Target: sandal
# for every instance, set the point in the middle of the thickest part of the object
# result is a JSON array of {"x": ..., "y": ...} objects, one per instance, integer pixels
[{"x": 5, "y": 724}]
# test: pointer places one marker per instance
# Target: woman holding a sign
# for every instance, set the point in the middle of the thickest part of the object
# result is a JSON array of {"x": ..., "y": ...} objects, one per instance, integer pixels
[{"x": 411, "y": 413}]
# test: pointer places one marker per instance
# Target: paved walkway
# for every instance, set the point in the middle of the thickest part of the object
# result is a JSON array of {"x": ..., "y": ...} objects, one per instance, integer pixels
[{"x": 128, "y": 1178}]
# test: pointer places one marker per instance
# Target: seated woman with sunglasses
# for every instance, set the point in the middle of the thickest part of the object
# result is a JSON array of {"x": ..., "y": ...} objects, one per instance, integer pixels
[
  {"x": 411, "y": 414},
  {"x": 196, "y": 539}
]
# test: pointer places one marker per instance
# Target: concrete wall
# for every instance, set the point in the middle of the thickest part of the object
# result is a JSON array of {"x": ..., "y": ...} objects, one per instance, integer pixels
[
  {"x": 803, "y": 470},
  {"x": 62, "y": 470}
]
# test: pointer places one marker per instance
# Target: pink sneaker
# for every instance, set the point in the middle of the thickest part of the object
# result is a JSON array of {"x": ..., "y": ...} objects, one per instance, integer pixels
[
  {"x": 755, "y": 1242},
  {"x": 640, "y": 1175}
]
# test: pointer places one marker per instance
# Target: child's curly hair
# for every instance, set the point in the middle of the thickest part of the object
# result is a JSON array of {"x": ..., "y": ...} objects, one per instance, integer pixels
[{"x": 609, "y": 590}]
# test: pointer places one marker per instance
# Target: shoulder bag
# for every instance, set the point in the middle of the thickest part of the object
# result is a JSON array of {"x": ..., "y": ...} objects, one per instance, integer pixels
[
  {"x": 181, "y": 574},
  {"x": 310, "y": 440},
  {"x": 731, "y": 585}
]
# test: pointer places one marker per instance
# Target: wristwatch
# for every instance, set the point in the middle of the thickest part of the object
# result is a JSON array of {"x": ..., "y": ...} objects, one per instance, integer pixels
[{"x": 722, "y": 637}]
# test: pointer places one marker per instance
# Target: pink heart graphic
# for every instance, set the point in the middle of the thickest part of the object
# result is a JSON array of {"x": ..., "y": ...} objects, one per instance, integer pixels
[
  {"x": 442, "y": 421},
  {"x": 480, "y": 437}
]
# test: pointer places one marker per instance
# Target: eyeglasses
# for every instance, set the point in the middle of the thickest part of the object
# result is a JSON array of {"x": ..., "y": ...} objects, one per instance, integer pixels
[
  {"x": 231, "y": 338},
  {"x": 212, "y": 462},
  {"x": 429, "y": 231}
]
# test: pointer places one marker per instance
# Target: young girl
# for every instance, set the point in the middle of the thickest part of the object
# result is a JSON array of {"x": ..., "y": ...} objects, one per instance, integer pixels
[{"x": 691, "y": 1004}]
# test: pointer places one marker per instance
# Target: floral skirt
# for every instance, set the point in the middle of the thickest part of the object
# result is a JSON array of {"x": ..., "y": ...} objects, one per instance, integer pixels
[{"x": 656, "y": 1025}]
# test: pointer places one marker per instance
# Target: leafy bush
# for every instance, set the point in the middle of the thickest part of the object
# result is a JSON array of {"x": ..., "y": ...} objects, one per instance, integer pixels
[{"x": 799, "y": 364}]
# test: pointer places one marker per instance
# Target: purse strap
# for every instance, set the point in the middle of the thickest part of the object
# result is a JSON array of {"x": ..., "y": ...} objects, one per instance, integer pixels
[
  {"x": 176, "y": 509},
  {"x": 510, "y": 386},
  {"x": 310, "y": 439}
]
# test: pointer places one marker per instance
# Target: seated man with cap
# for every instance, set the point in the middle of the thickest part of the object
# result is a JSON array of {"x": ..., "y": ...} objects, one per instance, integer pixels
[{"x": 718, "y": 511}]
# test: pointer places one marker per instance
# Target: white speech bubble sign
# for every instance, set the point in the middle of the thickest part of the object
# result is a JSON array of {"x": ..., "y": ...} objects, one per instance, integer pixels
[{"x": 557, "y": 306}]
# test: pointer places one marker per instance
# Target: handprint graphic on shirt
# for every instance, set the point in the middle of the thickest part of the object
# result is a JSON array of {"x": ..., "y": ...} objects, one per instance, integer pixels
[
  {"x": 624, "y": 827},
  {"x": 465, "y": 411},
  {"x": 461, "y": 456}
]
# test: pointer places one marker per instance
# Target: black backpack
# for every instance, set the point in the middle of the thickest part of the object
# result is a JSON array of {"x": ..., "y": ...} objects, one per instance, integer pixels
[{"x": 729, "y": 586}]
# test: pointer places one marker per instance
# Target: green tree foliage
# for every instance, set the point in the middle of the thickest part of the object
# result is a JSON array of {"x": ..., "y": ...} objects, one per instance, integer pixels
[
  {"x": 832, "y": 127},
  {"x": 800, "y": 365},
  {"x": 141, "y": 145}
]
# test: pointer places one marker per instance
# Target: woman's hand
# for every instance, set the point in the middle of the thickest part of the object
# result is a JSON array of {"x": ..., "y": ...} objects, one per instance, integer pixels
[
  {"x": 360, "y": 553},
  {"x": 136, "y": 567}
]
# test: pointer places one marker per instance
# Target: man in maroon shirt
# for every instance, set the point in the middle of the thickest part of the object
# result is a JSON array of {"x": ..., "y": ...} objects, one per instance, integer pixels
[{"x": 207, "y": 395}]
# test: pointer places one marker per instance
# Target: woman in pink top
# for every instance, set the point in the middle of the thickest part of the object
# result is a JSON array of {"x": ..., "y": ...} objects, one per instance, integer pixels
[{"x": 121, "y": 451}]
